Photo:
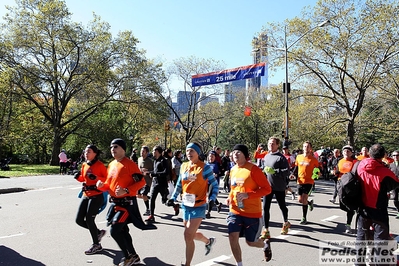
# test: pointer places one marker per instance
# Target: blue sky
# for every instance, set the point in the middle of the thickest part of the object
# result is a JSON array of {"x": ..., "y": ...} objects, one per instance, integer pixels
[{"x": 170, "y": 29}]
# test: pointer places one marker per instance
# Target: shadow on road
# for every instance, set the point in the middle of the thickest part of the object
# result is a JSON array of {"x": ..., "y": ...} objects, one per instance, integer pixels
[{"x": 11, "y": 257}]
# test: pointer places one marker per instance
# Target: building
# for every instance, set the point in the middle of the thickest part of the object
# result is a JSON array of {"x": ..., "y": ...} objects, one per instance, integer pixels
[
  {"x": 186, "y": 100},
  {"x": 204, "y": 100},
  {"x": 232, "y": 88},
  {"x": 259, "y": 54}
]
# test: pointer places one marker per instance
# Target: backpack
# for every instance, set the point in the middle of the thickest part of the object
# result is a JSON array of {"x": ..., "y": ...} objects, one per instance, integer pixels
[{"x": 350, "y": 190}]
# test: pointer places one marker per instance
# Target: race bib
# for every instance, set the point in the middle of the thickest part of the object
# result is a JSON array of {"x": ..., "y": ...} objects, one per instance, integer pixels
[{"x": 189, "y": 199}]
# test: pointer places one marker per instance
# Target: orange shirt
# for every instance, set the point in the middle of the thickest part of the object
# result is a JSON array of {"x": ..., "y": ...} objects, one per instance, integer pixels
[
  {"x": 306, "y": 164},
  {"x": 260, "y": 154},
  {"x": 345, "y": 166},
  {"x": 120, "y": 174},
  {"x": 250, "y": 179},
  {"x": 194, "y": 181},
  {"x": 361, "y": 157},
  {"x": 98, "y": 169},
  {"x": 388, "y": 160}
]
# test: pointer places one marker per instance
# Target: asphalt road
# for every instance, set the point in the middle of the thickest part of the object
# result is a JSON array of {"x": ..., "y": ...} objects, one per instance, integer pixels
[{"x": 37, "y": 227}]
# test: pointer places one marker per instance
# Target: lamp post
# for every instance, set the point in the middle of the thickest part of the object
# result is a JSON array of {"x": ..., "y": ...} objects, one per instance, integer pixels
[{"x": 286, "y": 85}]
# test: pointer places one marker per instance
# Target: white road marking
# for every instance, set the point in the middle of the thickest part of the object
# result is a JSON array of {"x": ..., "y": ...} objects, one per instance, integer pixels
[
  {"x": 331, "y": 218},
  {"x": 20, "y": 234},
  {"x": 43, "y": 189},
  {"x": 76, "y": 187},
  {"x": 290, "y": 233},
  {"x": 214, "y": 260}
]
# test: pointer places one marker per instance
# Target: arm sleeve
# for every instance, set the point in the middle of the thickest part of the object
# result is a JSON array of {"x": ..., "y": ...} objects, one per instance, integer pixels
[
  {"x": 264, "y": 186},
  {"x": 178, "y": 188}
]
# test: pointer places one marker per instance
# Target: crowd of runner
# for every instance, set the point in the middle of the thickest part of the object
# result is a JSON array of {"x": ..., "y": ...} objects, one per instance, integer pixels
[{"x": 251, "y": 182}]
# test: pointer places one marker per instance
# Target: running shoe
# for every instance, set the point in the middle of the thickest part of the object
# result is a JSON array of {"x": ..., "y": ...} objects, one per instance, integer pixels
[
  {"x": 348, "y": 229},
  {"x": 303, "y": 221},
  {"x": 131, "y": 260},
  {"x": 332, "y": 201},
  {"x": 397, "y": 216},
  {"x": 220, "y": 207},
  {"x": 100, "y": 235},
  {"x": 94, "y": 249},
  {"x": 293, "y": 195},
  {"x": 147, "y": 213},
  {"x": 176, "y": 207},
  {"x": 208, "y": 215},
  {"x": 265, "y": 235},
  {"x": 150, "y": 219},
  {"x": 208, "y": 247},
  {"x": 267, "y": 250},
  {"x": 310, "y": 204},
  {"x": 285, "y": 228}
]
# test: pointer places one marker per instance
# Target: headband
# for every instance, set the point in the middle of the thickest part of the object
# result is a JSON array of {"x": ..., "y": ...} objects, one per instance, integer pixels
[{"x": 194, "y": 147}]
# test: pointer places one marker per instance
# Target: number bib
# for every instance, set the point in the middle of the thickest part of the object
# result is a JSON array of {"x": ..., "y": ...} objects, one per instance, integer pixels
[{"x": 189, "y": 199}]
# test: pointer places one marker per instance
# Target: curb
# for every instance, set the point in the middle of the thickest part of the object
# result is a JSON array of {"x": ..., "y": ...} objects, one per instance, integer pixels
[{"x": 12, "y": 190}]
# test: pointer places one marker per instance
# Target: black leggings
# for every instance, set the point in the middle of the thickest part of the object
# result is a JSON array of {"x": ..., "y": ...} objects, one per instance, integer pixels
[
  {"x": 87, "y": 212},
  {"x": 267, "y": 201},
  {"x": 120, "y": 233},
  {"x": 154, "y": 193}
]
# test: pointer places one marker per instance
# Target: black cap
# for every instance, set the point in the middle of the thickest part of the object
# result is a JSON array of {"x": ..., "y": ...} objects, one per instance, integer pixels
[
  {"x": 119, "y": 142},
  {"x": 242, "y": 148},
  {"x": 93, "y": 148}
]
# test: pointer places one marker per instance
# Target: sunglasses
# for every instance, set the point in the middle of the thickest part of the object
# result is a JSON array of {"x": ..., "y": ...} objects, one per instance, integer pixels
[
  {"x": 114, "y": 147},
  {"x": 395, "y": 154}
]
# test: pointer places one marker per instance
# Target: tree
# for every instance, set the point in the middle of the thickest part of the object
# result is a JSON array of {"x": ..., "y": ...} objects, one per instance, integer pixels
[
  {"x": 68, "y": 71},
  {"x": 182, "y": 69},
  {"x": 340, "y": 63}
]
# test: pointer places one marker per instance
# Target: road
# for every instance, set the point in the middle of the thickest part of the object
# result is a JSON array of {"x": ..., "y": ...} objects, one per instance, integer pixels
[{"x": 37, "y": 227}]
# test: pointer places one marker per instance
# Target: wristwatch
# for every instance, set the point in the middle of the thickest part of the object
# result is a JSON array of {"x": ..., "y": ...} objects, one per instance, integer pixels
[{"x": 126, "y": 190}]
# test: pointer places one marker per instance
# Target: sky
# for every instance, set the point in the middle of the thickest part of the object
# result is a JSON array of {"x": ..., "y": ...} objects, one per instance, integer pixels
[{"x": 171, "y": 29}]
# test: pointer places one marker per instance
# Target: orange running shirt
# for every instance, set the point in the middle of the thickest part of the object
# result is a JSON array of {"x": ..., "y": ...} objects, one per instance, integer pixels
[{"x": 306, "y": 164}]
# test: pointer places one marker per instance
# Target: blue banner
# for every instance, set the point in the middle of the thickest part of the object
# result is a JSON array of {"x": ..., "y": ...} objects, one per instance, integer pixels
[{"x": 244, "y": 72}]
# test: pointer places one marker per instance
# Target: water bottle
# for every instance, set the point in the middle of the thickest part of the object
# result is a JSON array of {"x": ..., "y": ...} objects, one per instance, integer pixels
[{"x": 240, "y": 203}]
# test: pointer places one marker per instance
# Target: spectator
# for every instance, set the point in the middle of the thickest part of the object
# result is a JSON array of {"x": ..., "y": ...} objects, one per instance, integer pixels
[
  {"x": 63, "y": 162},
  {"x": 176, "y": 164}
]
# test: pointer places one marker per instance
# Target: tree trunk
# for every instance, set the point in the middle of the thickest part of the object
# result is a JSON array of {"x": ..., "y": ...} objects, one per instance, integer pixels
[
  {"x": 56, "y": 148},
  {"x": 351, "y": 133}
]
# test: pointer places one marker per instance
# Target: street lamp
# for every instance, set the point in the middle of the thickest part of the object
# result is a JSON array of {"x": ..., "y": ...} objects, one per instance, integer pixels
[{"x": 286, "y": 85}]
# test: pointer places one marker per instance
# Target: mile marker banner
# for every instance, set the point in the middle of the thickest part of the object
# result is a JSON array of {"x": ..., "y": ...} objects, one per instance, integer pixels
[{"x": 243, "y": 72}]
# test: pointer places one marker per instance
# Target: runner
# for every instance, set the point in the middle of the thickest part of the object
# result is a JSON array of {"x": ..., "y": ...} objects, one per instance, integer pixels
[
  {"x": 92, "y": 200},
  {"x": 305, "y": 164},
  {"x": 193, "y": 184},
  {"x": 248, "y": 186}
]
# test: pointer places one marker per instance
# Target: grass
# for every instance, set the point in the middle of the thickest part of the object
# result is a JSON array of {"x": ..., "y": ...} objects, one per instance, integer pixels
[{"x": 18, "y": 170}]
